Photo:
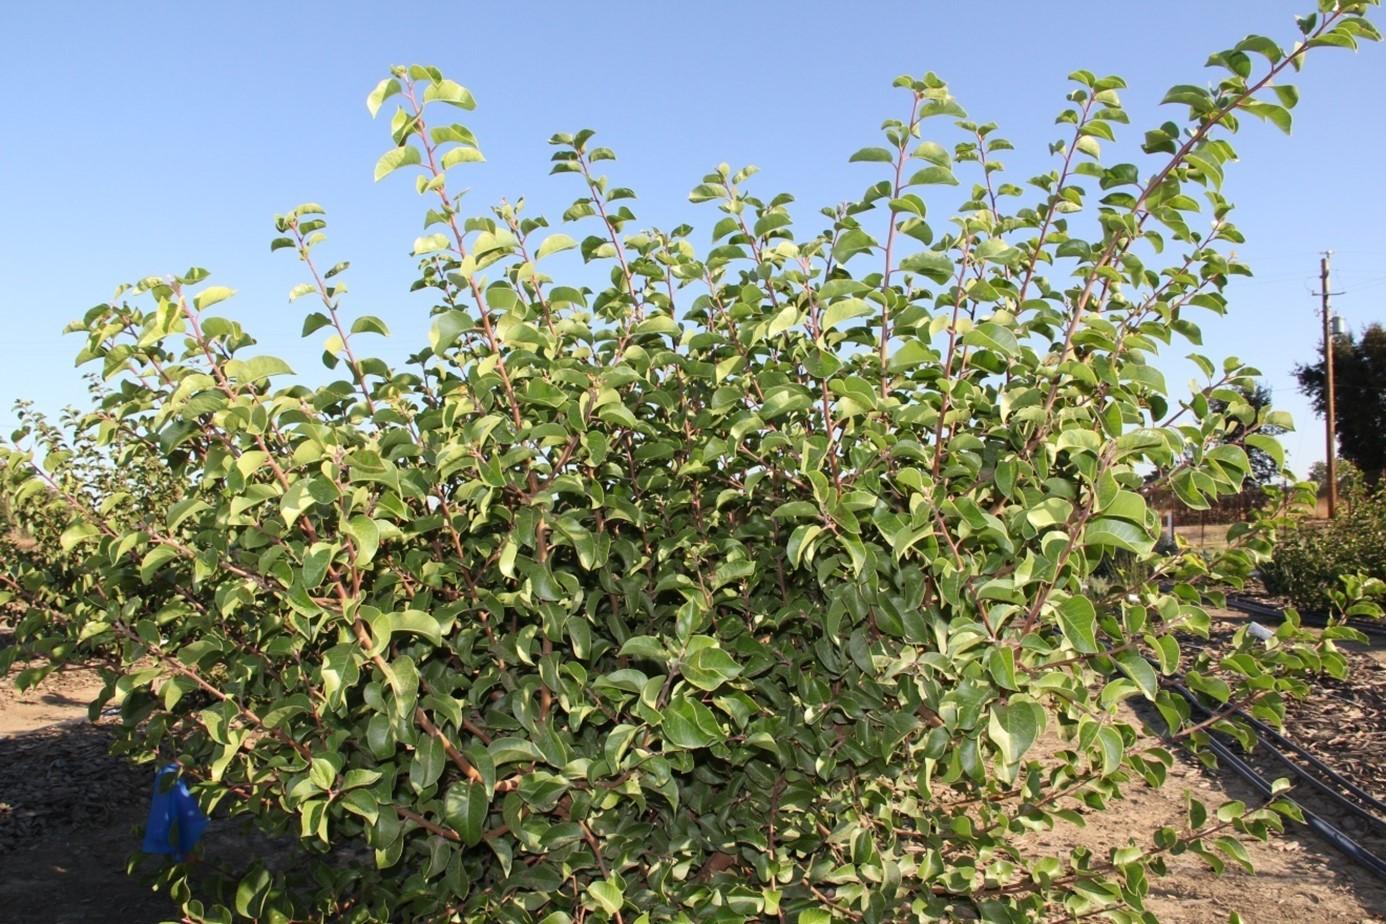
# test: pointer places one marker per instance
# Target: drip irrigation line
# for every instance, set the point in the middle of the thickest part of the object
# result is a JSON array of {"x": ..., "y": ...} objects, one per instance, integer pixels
[
  {"x": 1334, "y": 836},
  {"x": 1253, "y": 608},
  {"x": 1313, "y": 760}
]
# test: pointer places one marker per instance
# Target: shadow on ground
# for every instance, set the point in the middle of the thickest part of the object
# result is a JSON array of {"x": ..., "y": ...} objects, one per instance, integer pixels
[{"x": 70, "y": 818}]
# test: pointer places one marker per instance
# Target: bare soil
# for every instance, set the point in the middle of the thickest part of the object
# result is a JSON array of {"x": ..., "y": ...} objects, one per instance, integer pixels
[
  {"x": 70, "y": 814},
  {"x": 1298, "y": 878},
  {"x": 70, "y": 819}
]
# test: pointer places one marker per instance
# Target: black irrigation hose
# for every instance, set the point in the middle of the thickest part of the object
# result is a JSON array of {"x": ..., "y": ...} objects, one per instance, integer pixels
[
  {"x": 1362, "y": 794},
  {"x": 1253, "y": 608},
  {"x": 1260, "y": 609},
  {"x": 1344, "y": 844},
  {"x": 1313, "y": 760}
]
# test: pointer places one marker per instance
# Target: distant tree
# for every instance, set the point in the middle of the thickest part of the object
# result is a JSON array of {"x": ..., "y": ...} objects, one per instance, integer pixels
[
  {"x": 1349, "y": 476},
  {"x": 1250, "y": 401},
  {"x": 1264, "y": 467},
  {"x": 1359, "y": 367}
]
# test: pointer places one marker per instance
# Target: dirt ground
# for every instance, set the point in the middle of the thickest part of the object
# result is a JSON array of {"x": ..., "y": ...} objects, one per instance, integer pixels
[
  {"x": 70, "y": 818},
  {"x": 1298, "y": 878},
  {"x": 70, "y": 814}
]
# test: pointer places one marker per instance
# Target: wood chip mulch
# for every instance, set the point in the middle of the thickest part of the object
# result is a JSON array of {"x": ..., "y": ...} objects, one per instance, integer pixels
[{"x": 62, "y": 778}]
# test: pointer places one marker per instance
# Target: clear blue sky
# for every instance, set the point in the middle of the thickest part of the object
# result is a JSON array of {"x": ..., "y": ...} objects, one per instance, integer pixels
[{"x": 144, "y": 138}]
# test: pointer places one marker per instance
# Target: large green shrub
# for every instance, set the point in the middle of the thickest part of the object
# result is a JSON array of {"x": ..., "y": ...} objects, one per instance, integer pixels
[
  {"x": 1312, "y": 558},
  {"x": 741, "y": 586}
]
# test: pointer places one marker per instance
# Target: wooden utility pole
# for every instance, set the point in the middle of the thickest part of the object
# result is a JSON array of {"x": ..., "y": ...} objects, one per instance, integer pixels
[{"x": 1330, "y": 404}]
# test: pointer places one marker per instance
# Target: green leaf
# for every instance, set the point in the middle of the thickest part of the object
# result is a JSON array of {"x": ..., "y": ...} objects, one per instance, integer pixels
[
  {"x": 872, "y": 154},
  {"x": 933, "y": 152},
  {"x": 931, "y": 264},
  {"x": 709, "y": 668},
  {"x": 1135, "y": 666},
  {"x": 554, "y": 243},
  {"x": 1014, "y": 727},
  {"x": 1118, "y": 534},
  {"x": 783, "y": 320},
  {"x": 843, "y": 310},
  {"x": 211, "y": 295},
  {"x": 996, "y": 250},
  {"x": 1051, "y": 511},
  {"x": 322, "y": 772},
  {"x": 656, "y": 324},
  {"x": 1183, "y": 486},
  {"x": 365, "y": 537},
  {"x": 992, "y": 336},
  {"x": 608, "y": 895},
  {"x": 1113, "y": 748},
  {"x": 933, "y": 175},
  {"x": 513, "y": 750},
  {"x": 427, "y": 765},
  {"x": 506, "y": 563},
  {"x": 912, "y": 353},
  {"x": 383, "y": 91},
  {"x": 430, "y": 243},
  {"x": 296, "y": 500},
  {"x": 417, "y": 622},
  {"x": 1126, "y": 505},
  {"x": 1167, "y": 650},
  {"x": 771, "y": 221},
  {"x": 76, "y": 533},
  {"x": 1001, "y": 664},
  {"x": 369, "y": 323},
  {"x": 315, "y": 563},
  {"x": 314, "y": 322},
  {"x": 1078, "y": 620},
  {"x": 644, "y": 646},
  {"x": 794, "y": 510},
  {"x": 1269, "y": 445},
  {"x": 154, "y": 559},
  {"x": 447, "y": 327},
  {"x": 257, "y": 368},
  {"x": 362, "y": 802},
  {"x": 187, "y": 507},
  {"x": 800, "y": 540},
  {"x": 451, "y": 92},
  {"x": 688, "y": 724},
  {"x": 252, "y": 891},
  {"x": 462, "y": 154},
  {"x": 465, "y": 807},
  {"x": 395, "y": 158},
  {"x": 1262, "y": 46},
  {"x": 1278, "y": 116},
  {"x": 852, "y": 242},
  {"x": 1236, "y": 851}
]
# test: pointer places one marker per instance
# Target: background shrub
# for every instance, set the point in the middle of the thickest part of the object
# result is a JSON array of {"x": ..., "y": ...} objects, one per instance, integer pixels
[{"x": 1311, "y": 557}]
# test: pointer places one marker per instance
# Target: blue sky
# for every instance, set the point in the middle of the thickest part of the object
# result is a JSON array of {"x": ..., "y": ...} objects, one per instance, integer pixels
[{"x": 143, "y": 139}]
